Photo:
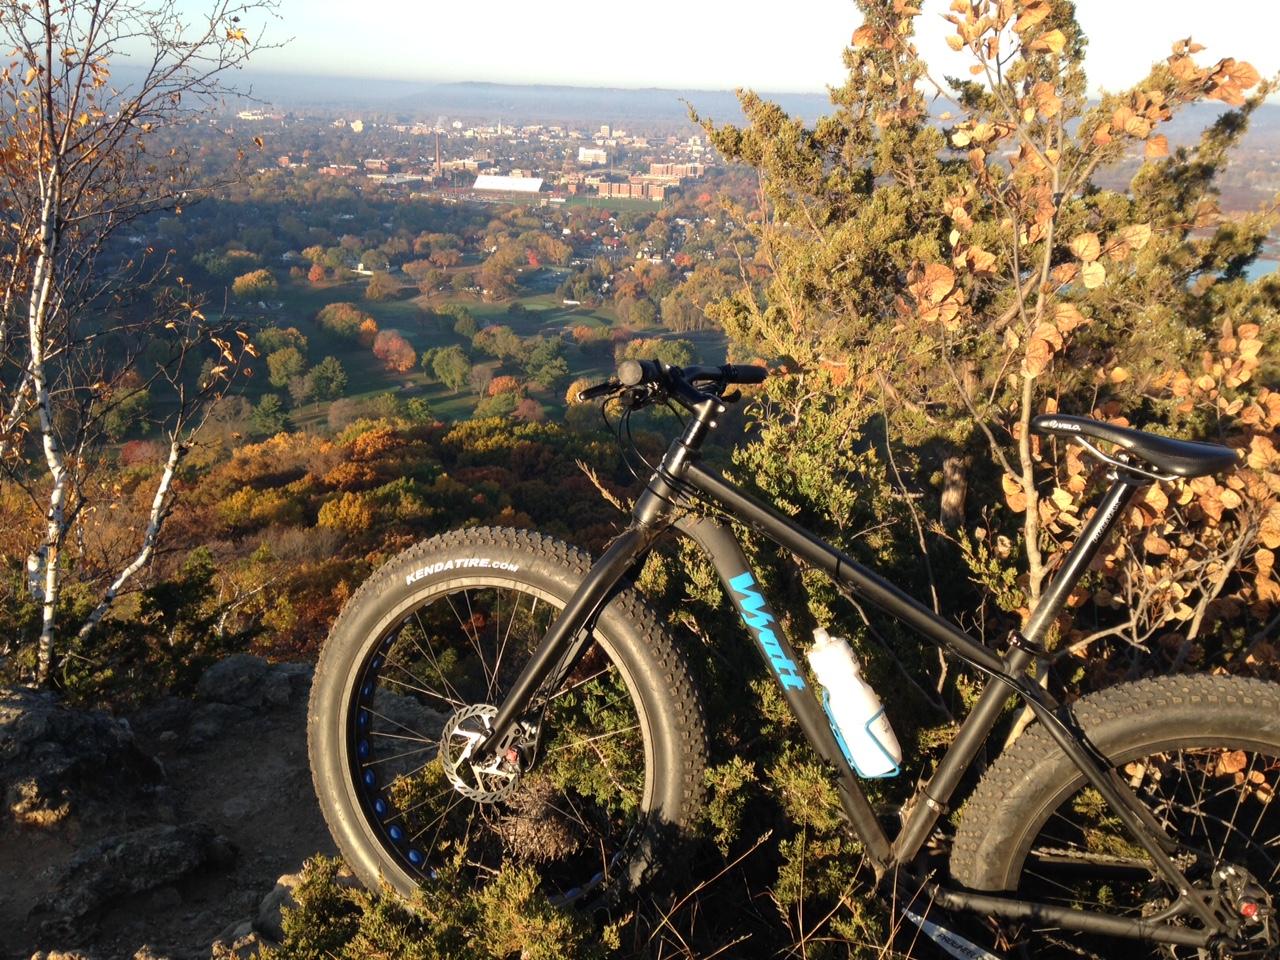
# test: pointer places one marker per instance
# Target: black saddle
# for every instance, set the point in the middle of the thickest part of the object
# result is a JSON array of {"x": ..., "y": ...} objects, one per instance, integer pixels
[{"x": 1181, "y": 458}]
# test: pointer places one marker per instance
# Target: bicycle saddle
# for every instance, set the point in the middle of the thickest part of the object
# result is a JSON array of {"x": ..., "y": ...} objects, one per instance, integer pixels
[{"x": 1182, "y": 458}]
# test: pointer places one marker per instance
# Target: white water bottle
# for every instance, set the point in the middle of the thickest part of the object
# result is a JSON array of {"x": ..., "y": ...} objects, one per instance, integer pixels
[{"x": 856, "y": 714}]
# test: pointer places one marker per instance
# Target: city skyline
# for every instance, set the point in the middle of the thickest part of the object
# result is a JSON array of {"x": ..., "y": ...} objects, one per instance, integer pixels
[{"x": 712, "y": 45}]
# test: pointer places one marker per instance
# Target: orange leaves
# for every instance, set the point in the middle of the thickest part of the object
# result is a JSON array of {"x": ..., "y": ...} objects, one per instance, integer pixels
[
  {"x": 865, "y": 36},
  {"x": 1046, "y": 99},
  {"x": 1156, "y": 147},
  {"x": 1013, "y": 495},
  {"x": 1229, "y": 79},
  {"x": 938, "y": 299},
  {"x": 1067, "y": 317}
]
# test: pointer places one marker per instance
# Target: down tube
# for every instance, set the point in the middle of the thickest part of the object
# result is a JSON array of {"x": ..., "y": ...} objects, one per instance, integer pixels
[{"x": 722, "y": 546}]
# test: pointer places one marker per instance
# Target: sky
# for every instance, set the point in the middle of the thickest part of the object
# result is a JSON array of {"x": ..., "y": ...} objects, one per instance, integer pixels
[{"x": 788, "y": 46}]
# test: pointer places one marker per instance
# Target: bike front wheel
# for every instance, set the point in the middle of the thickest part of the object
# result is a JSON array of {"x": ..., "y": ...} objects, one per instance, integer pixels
[
  {"x": 1202, "y": 753},
  {"x": 606, "y": 770}
]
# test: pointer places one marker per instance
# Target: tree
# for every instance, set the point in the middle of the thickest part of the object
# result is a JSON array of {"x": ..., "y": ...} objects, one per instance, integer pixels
[
  {"x": 381, "y": 287},
  {"x": 271, "y": 339},
  {"x": 451, "y": 367},
  {"x": 316, "y": 274},
  {"x": 952, "y": 280},
  {"x": 269, "y": 416},
  {"x": 284, "y": 365},
  {"x": 502, "y": 405},
  {"x": 464, "y": 324},
  {"x": 80, "y": 160},
  {"x": 395, "y": 352},
  {"x": 678, "y": 353},
  {"x": 344, "y": 319},
  {"x": 254, "y": 285},
  {"x": 328, "y": 379}
]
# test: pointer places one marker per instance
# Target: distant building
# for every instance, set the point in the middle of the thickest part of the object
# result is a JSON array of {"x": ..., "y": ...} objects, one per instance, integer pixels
[
  {"x": 680, "y": 171},
  {"x": 637, "y": 188},
  {"x": 338, "y": 170},
  {"x": 592, "y": 156},
  {"x": 357, "y": 126},
  {"x": 604, "y": 130},
  {"x": 491, "y": 183}
]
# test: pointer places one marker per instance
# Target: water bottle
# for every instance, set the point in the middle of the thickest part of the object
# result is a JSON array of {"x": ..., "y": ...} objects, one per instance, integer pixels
[{"x": 857, "y": 717}]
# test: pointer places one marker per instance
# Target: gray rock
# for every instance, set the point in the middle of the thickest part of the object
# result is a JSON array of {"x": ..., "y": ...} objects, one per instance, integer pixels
[
  {"x": 170, "y": 714},
  {"x": 241, "y": 680},
  {"x": 269, "y": 920},
  {"x": 132, "y": 863},
  {"x": 55, "y": 760},
  {"x": 210, "y": 721},
  {"x": 233, "y": 932}
]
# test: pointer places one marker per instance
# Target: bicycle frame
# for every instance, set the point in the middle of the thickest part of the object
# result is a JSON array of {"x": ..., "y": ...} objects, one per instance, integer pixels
[{"x": 665, "y": 504}]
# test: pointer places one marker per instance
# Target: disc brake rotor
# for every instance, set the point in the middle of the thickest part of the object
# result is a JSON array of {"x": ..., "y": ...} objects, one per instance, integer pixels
[{"x": 484, "y": 782}]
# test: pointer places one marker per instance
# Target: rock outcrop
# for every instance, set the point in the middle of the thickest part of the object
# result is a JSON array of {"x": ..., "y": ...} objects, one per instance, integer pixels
[{"x": 56, "y": 761}]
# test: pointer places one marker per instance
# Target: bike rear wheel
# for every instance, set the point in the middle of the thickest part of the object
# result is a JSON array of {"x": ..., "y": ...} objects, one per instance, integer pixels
[
  {"x": 608, "y": 767},
  {"x": 1203, "y": 755}
]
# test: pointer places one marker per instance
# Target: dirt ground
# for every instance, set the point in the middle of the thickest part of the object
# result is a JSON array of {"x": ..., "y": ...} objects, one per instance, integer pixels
[{"x": 250, "y": 783}]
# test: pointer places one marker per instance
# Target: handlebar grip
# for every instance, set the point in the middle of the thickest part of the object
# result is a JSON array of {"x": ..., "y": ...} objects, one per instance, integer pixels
[
  {"x": 598, "y": 390},
  {"x": 742, "y": 373}
]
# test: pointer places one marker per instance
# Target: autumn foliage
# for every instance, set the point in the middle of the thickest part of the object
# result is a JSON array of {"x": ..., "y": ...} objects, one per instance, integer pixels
[{"x": 394, "y": 351}]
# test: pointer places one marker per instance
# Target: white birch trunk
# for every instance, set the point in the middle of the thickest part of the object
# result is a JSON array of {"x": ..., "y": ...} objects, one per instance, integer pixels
[
  {"x": 49, "y": 567},
  {"x": 155, "y": 520}
]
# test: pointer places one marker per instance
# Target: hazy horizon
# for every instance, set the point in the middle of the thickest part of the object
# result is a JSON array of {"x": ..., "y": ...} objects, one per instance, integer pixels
[{"x": 713, "y": 45}]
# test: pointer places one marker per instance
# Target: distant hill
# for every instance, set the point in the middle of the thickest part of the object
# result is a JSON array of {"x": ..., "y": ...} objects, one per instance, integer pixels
[{"x": 514, "y": 103}]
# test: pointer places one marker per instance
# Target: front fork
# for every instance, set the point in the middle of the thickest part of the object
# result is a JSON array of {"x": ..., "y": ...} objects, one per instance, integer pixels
[{"x": 568, "y": 636}]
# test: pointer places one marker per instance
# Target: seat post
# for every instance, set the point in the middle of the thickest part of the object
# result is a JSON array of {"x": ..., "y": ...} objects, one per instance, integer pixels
[{"x": 1123, "y": 488}]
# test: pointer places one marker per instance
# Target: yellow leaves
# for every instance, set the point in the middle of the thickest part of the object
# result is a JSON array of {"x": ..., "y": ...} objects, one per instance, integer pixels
[
  {"x": 955, "y": 42},
  {"x": 1013, "y": 495},
  {"x": 31, "y": 75},
  {"x": 237, "y": 35},
  {"x": 1135, "y": 236},
  {"x": 1054, "y": 41},
  {"x": 1156, "y": 147},
  {"x": 1086, "y": 247},
  {"x": 1118, "y": 375},
  {"x": 1094, "y": 275},
  {"x": 1032, "y": 15}
]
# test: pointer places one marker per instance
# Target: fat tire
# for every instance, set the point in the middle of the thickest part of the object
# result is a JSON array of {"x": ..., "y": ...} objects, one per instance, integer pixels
[
  {"x": 1027, "y": 783},
  {"x": 629, "y": 629}
]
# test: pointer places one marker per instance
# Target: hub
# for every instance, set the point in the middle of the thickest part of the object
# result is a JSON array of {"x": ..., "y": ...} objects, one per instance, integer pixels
[{"x": 482, "y": 779}]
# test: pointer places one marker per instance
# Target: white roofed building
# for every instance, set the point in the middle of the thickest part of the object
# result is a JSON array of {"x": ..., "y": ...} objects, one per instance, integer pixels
[{"x": 498, "y": 184}]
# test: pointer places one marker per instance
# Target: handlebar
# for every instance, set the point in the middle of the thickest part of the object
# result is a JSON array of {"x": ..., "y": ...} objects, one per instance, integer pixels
[{"x": 678, "y": 383}]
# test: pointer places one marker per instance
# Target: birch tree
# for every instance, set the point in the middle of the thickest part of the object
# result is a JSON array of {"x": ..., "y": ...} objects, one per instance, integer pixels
[{"x": 83, "y": 327}]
